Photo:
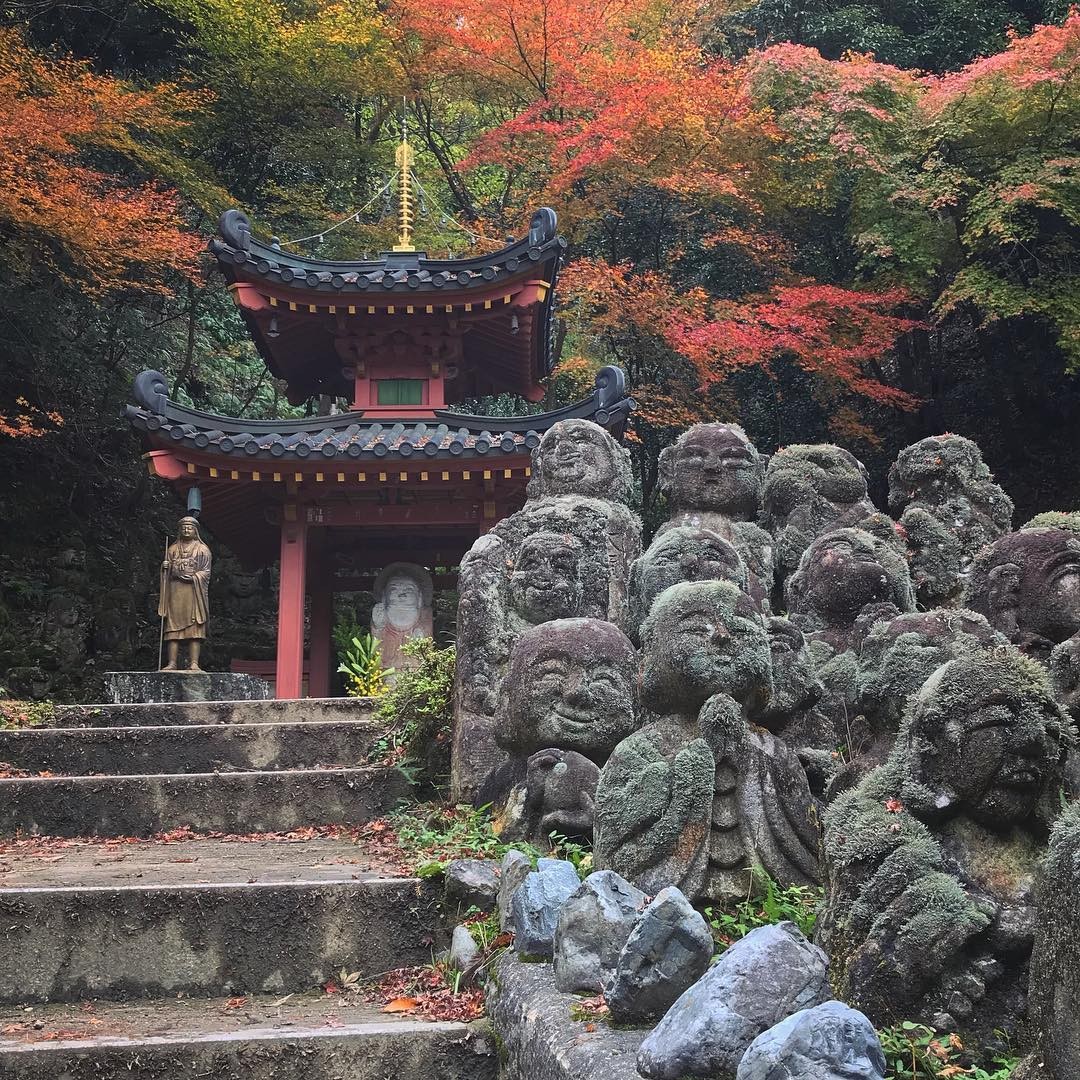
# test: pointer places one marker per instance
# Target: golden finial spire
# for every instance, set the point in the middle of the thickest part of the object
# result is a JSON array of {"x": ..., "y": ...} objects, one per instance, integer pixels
[{"x": 406, "y": 211}]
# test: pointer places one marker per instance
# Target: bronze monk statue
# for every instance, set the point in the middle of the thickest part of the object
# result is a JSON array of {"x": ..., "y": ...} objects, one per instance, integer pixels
[{"x": 185, "y": 595}]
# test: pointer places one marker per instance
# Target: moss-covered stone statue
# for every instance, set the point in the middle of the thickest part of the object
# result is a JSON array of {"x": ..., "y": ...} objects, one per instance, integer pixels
[
  {"x": 810, "y": 490},
  {"x": 568, "y": 699},
  {"x": 1027, "y": 584},
  {"x": 930, "y": 860},
  {"x": 685, "y": 553},
  {"x": 841, "y": 575},
  {"x": 699, "y": 794},
  {"x": 712, "y": 477},
  {"x": 565, "y": 554},
  {"x": 185, "y": 595},
  {"x": 1054, "y": 985},
  {"x": 944, "y": 496}
]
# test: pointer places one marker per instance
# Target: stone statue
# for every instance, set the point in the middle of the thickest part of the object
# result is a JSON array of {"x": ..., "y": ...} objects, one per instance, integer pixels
[
  {"x": 944, "y": 496},
  {"x": 929, "y": 861},
  {"x": 841, "y": 575},
  {"x": 565, "y": 554},
  {"x": 569, "y": 686},
  {"x": 811, "y": 490},
  {"x": 1027, "y": 584},
  {"x": 895, "y": 658},
  {"x": 402, "y": 610},
  {"x": 185, "y": 595},
  {"x": 1054, "y": 994},
  {"x": 568, "y": 699},
  {"x": 698, "y": 795},
  {"x": 712, "y": 477},
  {"x": 683, "y": 553}
]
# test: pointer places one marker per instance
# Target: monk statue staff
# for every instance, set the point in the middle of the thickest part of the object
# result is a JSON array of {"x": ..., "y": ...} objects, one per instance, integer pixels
[{"x": 161, "y": 634}]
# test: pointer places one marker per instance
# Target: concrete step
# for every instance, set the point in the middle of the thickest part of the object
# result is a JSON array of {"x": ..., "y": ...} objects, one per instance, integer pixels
[
  {"x": 157, "y": 920},
  {"x": 286, "y": 711},
  {"x": 228, "y": 802},
  {"x": 189, "y": 748},
  {"x": 317, "y": 1037}
]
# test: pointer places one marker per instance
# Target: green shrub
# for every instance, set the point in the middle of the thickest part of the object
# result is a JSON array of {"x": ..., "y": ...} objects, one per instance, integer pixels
[{"x": 767, "y": 903}]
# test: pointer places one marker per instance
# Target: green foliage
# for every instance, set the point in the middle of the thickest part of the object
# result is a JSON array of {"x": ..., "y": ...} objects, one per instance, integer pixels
[
  {"x": 767, "y": 904},
  {"x": 435, "y": 835},
  {"x": 362, "y": 667},
  {"x": 23, "y": 714},
  {"x": 420, "y": 708},
  {"x": 916, "y": 1052}
]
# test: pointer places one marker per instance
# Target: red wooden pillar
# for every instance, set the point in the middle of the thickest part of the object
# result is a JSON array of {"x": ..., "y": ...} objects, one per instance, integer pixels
[
  {"x": 291, "y": 591},
  {"x": 322, "y": 618}
]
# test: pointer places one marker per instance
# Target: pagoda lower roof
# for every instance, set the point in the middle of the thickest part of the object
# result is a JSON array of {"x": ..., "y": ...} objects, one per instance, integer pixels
[{"x": 355, "y": 435}]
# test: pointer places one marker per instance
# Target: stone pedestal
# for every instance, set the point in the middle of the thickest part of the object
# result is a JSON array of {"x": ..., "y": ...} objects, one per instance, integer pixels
[{"x": 144, "y": 687}]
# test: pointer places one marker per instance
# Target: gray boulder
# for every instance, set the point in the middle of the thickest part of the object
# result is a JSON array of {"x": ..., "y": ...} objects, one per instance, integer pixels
[
  {"x": 592, "y": 929},
  {"x": 762, "y": 979},
  {"x": 536, "y": 903},
  {"x": 827, "y": 1042},
  {"x": 463, "y": 948},
  {"x": 667, "y": 951},
  {"x": 515, "y": 868},
  {"x": 472, "y": 883}
]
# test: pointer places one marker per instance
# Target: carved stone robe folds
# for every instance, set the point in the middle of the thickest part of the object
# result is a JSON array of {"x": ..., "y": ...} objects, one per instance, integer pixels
[{"x": 185, "y": 605}]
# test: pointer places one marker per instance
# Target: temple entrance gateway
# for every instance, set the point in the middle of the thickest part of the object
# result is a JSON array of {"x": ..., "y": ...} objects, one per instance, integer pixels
[{"x": 399, "y": 476}]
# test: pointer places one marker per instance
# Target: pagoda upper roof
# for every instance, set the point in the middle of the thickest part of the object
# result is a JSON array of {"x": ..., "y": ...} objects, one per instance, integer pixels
[
  {"x": 352, "y": 435},
  {"x": 308, "y": 316},
  {"x": 394, "y": 271}
]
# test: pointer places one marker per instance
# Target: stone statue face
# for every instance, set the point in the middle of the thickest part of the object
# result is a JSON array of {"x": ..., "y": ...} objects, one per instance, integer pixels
[
  {"x": 715, "y": 467},
  {"x": 577, "y": 457},
  {"x": 996, "y": 733},
  {"x": 703, "y": 638},
  {"x": 1028, "y": 584},
  {"x": 545, "y": 583},
  {"x": 795, "y": 681},
  {"x": 403, "y": 601},
  {"x": 686, "y": 554},
  {"x": 570, "y": 686},
  {"x": 939, "y": 464},
  {"x": 841, "y": 573}
]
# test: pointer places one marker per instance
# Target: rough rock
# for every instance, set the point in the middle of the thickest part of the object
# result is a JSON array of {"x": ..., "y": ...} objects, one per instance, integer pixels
[
  {"x": 472, "y": 883},
  {"x": 592, "y": 929},
  {"x": 768, "y": 975},
  {"x": 463, "y": 948},
  {"x": 827, "y": 1042},
  {"x": 668, "y": 950},
  {"x": 536, "y": 903},
  {"x": 513, "y": 870}
]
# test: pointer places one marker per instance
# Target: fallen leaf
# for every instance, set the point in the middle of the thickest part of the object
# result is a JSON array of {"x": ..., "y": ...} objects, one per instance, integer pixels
[
  {"x": 400, "y": 1005},
  {"x": 235, "y": 1002}
]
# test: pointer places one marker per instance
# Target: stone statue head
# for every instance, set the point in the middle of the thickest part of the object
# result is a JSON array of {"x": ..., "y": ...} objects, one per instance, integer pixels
[
  {"x": 403, "y": 591},
  {"x": 808, "y": 491},
  {"x": 1027, "y": 584},
  {"x": 713, "y": 467},
  {"x": 842, "y": 572},
  {"x": 940, "y": 466},
  {"x": 680, "y": 554},
  {"x": 569, "y": 686},
  {"x": 545, "y": 581},
  {"x": 578, "y": 457},
  {"x": 795, "y": 679},
  {"x": 703, "y": 638},
  {"x": 898, "y": 655},
  {"x": 984, "y": 737}
]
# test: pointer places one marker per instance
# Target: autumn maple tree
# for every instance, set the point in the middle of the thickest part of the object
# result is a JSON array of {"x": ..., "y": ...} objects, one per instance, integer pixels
[{"x": 57, "y": 209}]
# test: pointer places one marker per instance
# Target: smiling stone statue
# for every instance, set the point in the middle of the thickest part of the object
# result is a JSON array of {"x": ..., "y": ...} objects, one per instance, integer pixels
[
  {"x": 402, "y": 610},
  {"x": 930, "y": 861}
]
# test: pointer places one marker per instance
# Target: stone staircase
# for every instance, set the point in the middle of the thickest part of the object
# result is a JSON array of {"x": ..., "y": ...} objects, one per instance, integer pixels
[{"x": 134, "y": 945}]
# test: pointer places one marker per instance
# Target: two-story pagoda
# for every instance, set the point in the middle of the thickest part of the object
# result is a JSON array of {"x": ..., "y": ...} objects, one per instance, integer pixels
[{"x": 399, "y": 476}]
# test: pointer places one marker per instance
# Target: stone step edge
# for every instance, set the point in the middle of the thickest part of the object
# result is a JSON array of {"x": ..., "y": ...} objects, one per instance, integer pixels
[
  {"x": 410, "y": 1028},
  {"x": 129, "y": 778},
  {"x": 84, "y": 730},
  {"x": 358, "y": 702},
  {"x": 11, "y": 892}
]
